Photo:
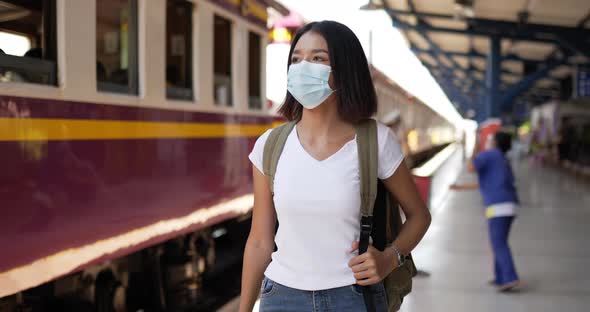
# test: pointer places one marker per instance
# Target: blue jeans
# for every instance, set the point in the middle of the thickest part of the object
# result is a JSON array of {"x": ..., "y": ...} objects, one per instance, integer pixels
[
  {"x": 503, "y": 263},
  {"x": 275, "y": 297}
]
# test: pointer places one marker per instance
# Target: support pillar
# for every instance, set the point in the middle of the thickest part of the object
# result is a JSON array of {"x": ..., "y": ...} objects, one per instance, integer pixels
[{"x": 492, "y": 102}]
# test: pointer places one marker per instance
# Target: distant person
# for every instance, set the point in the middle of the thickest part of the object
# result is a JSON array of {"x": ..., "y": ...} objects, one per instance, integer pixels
[
  {"x": 496, "y": 184},
  {"x": 31, "y": 75},
  {"x": 119, "y": 76},
  {"x": 540, "y": 142},
  {"x": 101, "y": 72},
  {"x": 567, "y": 139},
  {"x": 8, "y": 74},
  {"x": 34, "y": 53},
  {"x": 172, "y": 75}
]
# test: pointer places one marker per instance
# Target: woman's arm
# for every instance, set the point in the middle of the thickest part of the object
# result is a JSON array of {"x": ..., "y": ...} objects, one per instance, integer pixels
[
  {"x": 401, "y": 185},
  {"x": 260, "y": 244},
  {"x": 374, "y": 265}
]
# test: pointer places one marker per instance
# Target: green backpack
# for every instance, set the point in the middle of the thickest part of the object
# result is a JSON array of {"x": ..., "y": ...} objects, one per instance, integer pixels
[{"x": 380, "y": 214}]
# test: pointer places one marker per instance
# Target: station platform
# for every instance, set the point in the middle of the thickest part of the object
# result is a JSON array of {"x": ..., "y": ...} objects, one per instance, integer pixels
[{"x": 549, "y": 241}]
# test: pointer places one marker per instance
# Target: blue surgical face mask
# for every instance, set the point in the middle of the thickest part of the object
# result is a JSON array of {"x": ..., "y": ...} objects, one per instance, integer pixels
[{"x": 308, "y": 83}]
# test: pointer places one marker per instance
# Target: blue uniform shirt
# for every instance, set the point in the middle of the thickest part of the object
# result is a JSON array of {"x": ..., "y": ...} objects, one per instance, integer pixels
[{"x": 496, "y": 180}]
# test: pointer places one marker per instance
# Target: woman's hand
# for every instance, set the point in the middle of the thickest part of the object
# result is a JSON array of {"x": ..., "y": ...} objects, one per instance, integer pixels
[{"x": 372, "y": 266}]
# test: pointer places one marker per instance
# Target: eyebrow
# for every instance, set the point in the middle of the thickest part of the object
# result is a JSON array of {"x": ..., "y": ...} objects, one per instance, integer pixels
[{"x": 313, "y": 51}]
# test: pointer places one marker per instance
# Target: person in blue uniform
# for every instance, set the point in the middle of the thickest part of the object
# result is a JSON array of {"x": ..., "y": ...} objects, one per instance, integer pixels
[{"x": 500, "y": 198}]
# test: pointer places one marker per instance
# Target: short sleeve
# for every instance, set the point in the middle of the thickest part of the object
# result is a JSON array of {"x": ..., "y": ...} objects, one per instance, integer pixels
[
  {"x": 258, "y": 150},
  {"x": 390, "y": 152}
]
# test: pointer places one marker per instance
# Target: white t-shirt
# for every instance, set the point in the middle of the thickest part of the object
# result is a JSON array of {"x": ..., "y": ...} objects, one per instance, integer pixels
[{"x": 318, "y": 210}]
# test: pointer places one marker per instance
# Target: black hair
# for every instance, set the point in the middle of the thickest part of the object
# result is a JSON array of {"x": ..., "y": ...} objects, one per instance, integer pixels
[
  {"x": 356, "y": 98},
  {"x": 503, "y": 141}
]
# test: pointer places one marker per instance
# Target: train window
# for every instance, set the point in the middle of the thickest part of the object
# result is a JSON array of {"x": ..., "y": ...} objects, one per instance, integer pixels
[
  {"x": 254, "y": 72},
  {"x": 222, "y": 62},
  {"x": 116, "y": 46},
  {"x": 28, "y": 41},
  {"x": 179, "y": 49}
]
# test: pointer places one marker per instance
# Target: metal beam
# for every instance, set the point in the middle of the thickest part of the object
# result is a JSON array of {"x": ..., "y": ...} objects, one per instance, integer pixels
[
  {"x": 472, "y": 69},
  {"x": 502, "y": 28},
  {"x": 467, "y": 71},
  {"x": 492, "y": 106},
  {"x": 488, "y": 27},
  {"x": 438, "y": 52},
  {"x": 476, "y": 54},
  {"x": 526, "y": 83},
  {"x": 444, "y": 77},
  {"x": 581, "y": 24}
]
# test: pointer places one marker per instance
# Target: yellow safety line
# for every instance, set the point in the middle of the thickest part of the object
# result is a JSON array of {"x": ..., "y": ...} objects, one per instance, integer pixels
[{"x": 36, "y": 129}]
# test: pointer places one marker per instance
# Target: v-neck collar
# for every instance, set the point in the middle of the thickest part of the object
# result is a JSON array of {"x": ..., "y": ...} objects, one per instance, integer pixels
[{"x": 315, "y": 159}]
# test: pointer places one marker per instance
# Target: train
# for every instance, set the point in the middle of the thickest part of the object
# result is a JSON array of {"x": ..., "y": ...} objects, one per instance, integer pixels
[{"x": 125, "y": 127}]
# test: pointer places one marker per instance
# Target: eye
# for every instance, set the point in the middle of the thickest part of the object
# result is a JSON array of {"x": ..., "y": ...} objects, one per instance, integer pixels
[
  {"x": 318, "y": 59},
  {"x": 294, "y": 60}
]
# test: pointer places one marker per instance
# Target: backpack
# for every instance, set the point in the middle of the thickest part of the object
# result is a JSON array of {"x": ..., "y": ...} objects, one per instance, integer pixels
[{"x": 380, "y": 214}]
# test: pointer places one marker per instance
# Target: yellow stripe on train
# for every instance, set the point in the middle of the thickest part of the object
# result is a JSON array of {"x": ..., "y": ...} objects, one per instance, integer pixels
[{"x": 37, "y": 129}]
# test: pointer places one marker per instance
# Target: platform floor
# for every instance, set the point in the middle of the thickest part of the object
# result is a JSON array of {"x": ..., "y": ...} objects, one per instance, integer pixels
[{"x": 549, "y": 240}]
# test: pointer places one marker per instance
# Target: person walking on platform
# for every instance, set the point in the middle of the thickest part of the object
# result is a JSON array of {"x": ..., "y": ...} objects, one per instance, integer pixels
[
  {"x": 496, "y": 184},
  {"x": 314, "y": 193}
]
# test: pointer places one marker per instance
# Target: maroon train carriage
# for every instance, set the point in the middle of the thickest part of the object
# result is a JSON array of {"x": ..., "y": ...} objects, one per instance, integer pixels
[{"x": 124, "y": 178}]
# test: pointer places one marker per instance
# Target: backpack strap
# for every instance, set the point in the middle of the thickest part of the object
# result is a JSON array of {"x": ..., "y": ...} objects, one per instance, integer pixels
[
  {"x": 368, "y": 154},
  {"x": 273, "y": 147}
]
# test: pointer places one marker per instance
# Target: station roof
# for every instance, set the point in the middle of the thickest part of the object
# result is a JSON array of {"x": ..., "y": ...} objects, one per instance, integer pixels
[{"x": 452, "y": 39}]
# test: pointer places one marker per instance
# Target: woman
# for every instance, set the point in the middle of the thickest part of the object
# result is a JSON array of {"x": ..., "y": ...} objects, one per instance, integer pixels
[
  {"x": 496, "y": 184},
  {"x": 316, "y": 187}
]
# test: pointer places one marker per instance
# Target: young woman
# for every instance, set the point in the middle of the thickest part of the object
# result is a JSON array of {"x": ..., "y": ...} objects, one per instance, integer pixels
[
  {"x": 496, "y": 184},
  {"x": 316, "y": 188}
]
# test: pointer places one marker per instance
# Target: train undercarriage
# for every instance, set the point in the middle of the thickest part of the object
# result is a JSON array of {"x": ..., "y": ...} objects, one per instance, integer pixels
[{"x": 198, "y": 271}]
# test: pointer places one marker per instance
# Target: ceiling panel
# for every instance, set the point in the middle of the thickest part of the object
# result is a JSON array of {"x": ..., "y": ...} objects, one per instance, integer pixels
[
  {"x": 562, "y": 71},
  {"x": 510, "y": 79},
  {"x": 444, "y": 61},
  {"x": 479, "y": 63},
  {"x": 546, "y": 83},
  {"x": 463, "y": 61},
  {"x": 428, "y": 59},
  {"x": 562, "y": 12},
  {"x": 499, "y": 9},
  {"x": 513, "y": 66},
  {"x": 435, "y": 6},
  {"x": 417, "y": 40},
  {"x": 451, "y": 42},
  {"x": 447, "y": 23},
  {"x": 396, "y": 4},
  {"x": 532, "y": 50}
]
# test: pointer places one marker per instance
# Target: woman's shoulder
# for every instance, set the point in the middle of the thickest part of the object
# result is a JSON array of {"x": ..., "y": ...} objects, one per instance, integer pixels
[
  {"x": 384, "y": 134},
  {"x": 381, "y": 127},
  {"x": 264, "y": 136}
]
